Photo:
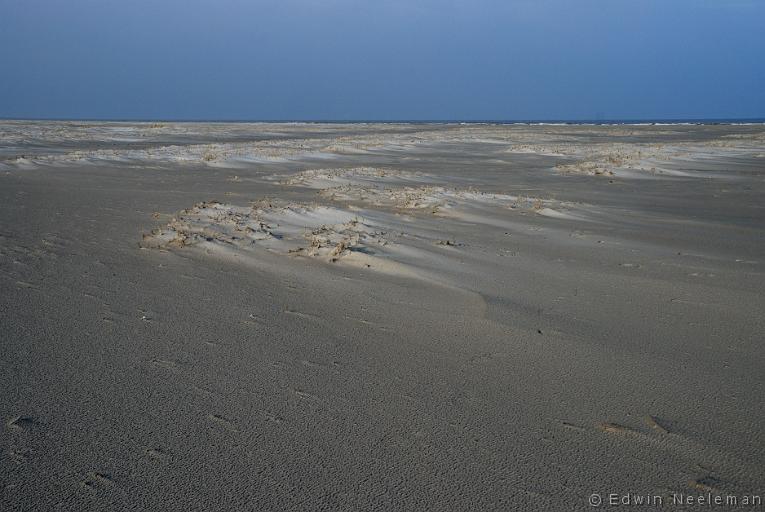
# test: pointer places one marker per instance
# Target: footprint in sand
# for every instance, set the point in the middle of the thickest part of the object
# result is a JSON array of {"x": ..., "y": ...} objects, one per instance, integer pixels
[
  {"x": 21, "y": 423},
  {"x": 706, "y": 484},
  {"x": 96, "y": 480},
  {"x": 304, "y": 316},
  {"x": 663, "y": 436},
  {"x": 20, "y": 455},
  {"x": 657, "y": 424},
  {"x": 273, "y": 418},
  {"x": 572, "y": 426},
  {"x": 314, "y": 365},
  {"x": 308, "y": 397},
  {"x": 615, "y": 428},
  {"x": 156, "y": 453},
  {"x": 654, "y": 422},
  {"x": 254, "y": 320},
  {"x": 222, "y": 421}
]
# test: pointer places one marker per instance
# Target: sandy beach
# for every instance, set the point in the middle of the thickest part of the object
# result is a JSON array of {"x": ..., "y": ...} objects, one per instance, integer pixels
[{"x": 254, "y": 316}]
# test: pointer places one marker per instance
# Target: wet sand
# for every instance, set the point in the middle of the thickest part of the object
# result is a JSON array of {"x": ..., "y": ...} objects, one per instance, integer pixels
[{"x": 388, "y": 317}]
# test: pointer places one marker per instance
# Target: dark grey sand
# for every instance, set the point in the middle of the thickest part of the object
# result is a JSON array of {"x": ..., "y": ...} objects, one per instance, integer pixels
[{"x": 387, "y": 317}]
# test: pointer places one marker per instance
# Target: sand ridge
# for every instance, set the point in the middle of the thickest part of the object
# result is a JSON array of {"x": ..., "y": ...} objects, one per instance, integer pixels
[{"x": 314, "y": 230}]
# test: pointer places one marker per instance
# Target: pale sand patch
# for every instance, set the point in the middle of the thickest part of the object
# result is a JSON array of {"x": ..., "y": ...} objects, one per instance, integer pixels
[{"x": 322, "y": 231}]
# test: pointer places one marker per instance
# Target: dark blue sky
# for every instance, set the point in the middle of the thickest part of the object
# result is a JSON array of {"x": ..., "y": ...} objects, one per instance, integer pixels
[{"x": 375, "y": 59}]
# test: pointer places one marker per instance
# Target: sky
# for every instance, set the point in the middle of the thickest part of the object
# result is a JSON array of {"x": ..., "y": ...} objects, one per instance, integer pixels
[{"x": 382, "y": 59}]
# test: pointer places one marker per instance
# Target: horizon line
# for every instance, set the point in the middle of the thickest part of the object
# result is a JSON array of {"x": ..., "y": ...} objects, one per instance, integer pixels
[{"x": 672, "y": 120}]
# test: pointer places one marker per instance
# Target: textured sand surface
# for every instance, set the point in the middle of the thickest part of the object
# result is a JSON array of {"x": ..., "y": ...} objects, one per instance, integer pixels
[{"x": 378, "y": 317}]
